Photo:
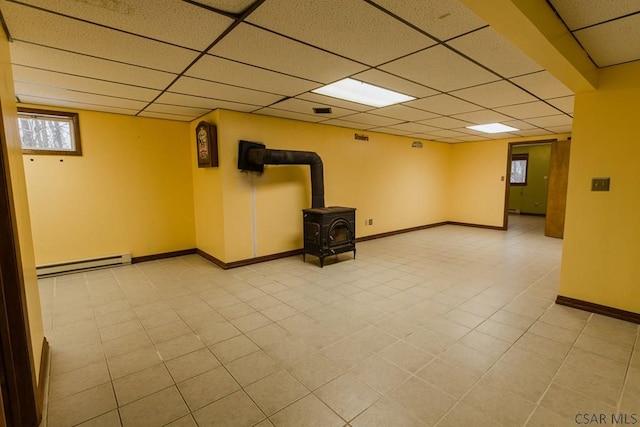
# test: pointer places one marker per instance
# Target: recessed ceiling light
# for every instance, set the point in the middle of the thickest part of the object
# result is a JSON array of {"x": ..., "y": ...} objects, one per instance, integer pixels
[
  {"x": 362, "y": 93},
  {"x": 492, "y": 128}
]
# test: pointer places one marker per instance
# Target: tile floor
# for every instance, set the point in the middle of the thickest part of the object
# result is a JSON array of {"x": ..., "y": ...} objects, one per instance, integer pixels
[{"x": 450, "y": 326}]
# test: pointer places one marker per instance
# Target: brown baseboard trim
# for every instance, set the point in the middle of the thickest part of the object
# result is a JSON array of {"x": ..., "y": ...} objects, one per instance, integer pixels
[
  {"x": 164, "y": 255},
  {"x": 466, "y": 224},
  {"x": 604, "y": 310},
  {"x": 42, "y": 378},
  {"x": 249, "y": 261},
  {"x": 402, "y": 231}
]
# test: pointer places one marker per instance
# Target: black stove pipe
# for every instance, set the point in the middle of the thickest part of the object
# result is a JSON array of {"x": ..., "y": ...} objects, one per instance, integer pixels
[{"x": 265, "y": 156}]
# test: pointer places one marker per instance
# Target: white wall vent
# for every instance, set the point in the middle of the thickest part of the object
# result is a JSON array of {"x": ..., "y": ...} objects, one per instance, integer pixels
[{"x": 67, "y": 267}]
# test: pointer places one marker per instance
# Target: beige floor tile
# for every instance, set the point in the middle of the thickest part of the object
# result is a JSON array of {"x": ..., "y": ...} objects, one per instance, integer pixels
[
  {"x": 65, "y": 359},
  {"x": 121, "y": 329},
  {"x": 612, "y": 330},
  {"x": 110, "y": 419},
  {"x": 142, "y": 383},
  {"x": 307, "y": 412},
  {"x": 81, "y": 406},
  {"x": 237, "y": 310},
  {"x": 157, "y": 409},
  {"x": 463, "y": 414},
  {"x": 514, "y": 320},
  {"x": 631, "y": 392},
  {"x": 206, "y": 388},
  {"x": 538, "y": 345},
  {"x": 347, "y": 396},
  {"x": 191, "y": 364},
  {"x": 179, "y": 346},
  {"x": 567, "y": 403},
  {"x": 72, "y": 382},
  {"x": 386, "y": 413},
  {"x": 314, "y": 370},
  {"x": 133, "y": 362},
  {"x": 276, "y": 391},
  {"x": 374, "y": 339},
  {"x": 235, "y": 410},
  {"x": 506, "y": 407},
  {"x": 464, "y": 318},
  {"x": 500, "y": 330},
  {"x": 530, "y": 386},
  {"x": 253, "y": 367},
  {"x": 597, "y": 387},
  {"x": 543, "y": 418},
  {"x": 604, "y": 348},
  {"x": 587, "y": 361},
  {"x": 556, "y": 333},
  {"x": 234, "y": 348},
  {"x": 423, "y": 400},
  {"x": 186, "y": 421},
  {"x": 468, "y": 358},
  {"x": 156, "y": 319},
  {"x": 195, "y": 309},
  {"x": 215, "y": 333},
  {"x": 116, "y": 317},
  {"x": 168, "y": 331},
  {"x": 250, "y": 322},
  {"x": 446, "y": 327},
  {"x": 279, "y": 312},
  {"x": 486, "y": 344},
  {"x": 449, "y": 377},
  {"x": 346, "y": 353},
  {"x": 430, "y": 341},
  {"x": 380, "y": 374},
  {"x": 126, "y": 344},
  {"x": 289, "y": 350},
  {"x": 566, "y": 317},
  {"x": 406, "y": 356},
  {"x": 268, "y": 335}
]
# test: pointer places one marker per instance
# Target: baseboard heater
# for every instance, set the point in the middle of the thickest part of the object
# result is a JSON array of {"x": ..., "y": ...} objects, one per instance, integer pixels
[{"x": 68, "y": 267}]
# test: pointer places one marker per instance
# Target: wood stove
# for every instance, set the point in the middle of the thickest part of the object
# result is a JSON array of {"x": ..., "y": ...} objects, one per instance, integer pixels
[{"x": 329, "y": 231}]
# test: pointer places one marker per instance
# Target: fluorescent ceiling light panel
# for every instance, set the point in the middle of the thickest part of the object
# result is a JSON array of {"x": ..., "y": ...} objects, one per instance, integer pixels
[
  {"x": 492, "y": 128},
  {"x": 362, "y": 93}
]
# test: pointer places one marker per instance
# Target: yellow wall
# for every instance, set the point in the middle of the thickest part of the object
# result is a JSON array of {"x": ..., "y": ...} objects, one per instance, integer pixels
[
  {"x": 602, "y": 231},
  {"x": 532, "y": 198},
  {"x": 130, "y": 191},
  {"x": 20, "y": 203},
  {"x": 383, "y": 178}
]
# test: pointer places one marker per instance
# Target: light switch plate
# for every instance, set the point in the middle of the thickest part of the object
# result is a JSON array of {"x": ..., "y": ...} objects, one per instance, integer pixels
[{"x": 600, "y": 184}]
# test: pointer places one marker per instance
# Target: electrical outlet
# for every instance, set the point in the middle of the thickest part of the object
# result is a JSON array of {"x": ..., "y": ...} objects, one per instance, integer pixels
[{"x": 371, "y": 221}]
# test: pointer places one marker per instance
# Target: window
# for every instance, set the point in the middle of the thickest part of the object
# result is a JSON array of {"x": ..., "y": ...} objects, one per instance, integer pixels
[
  {"x": 519, "y": 163},
  {"x": 49, "y": 132}
]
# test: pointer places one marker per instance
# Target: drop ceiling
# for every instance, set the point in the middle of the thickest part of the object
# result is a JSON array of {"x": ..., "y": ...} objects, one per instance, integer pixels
[{"x": 180, "y": 59}]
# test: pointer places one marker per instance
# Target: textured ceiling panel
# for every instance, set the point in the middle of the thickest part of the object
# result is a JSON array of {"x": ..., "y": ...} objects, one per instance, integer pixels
[
  {"x": 48, "y": 102},
  {"x": 191, "y": 86},
  {"x": 532, "y": 132},
  {"x": 163, "y": 20},
  {"x": 347, "y": 124},
  {"x": 588, "y": 12},
  {"x": 414, "y": 128},
  {"x": 528, "y": 110},
  {"x": 351, "y": 28},
  {"x": 234, "y": 73},
  {"x": 289, "y": 115},
  {"x": 493, "y": 51},
  {"x": 81, "y": 84},
  {"x": 543, "y": 85},
  {"x": 496, "y": 94},
  {"x": 434, "y": 68},
  {"x": 482, "y": 117},
  {"x": 25, "y": 24},
  {"x": 565, "y": 103},
  {"x": 371, "y": 119},
  {"x": 306, "y": 107},
  {"x": 167, "y": 116},
  {"x": 557, "y": 120},
  {"x": 232, "y": 6},
  {"x": 402, "y": 112},
  {"x": 388, "y": 81},
  {"x": 612, "y": 43},
  {"x": 258, "y": 47},
  {"x": 95, "y": 68},
  {"x": 444, "y": 105},
  {"x": 53, "y": 94},
  {"x": 446, "y": 123},
  {"x": 200, "y": 102},
  {"x": 327, "y": 100},
  {"x": 442, "y": 19},
  {"x": 177, "y": 110},
  {"x": 518, "y": 124},
  {"x": 392, "y": 131},
  {"x": 447, "y": 133}
]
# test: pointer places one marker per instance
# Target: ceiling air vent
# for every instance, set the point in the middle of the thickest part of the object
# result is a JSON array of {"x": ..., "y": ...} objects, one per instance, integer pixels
[{"x": 322, "y": 110}]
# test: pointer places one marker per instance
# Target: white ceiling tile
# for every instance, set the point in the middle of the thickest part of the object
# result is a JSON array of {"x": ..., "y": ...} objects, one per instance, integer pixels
[
  {"x": 482, "y": 117},
  {"x": 443, "y": 19},
  {"x": 434, "y": 68},
  {"x": 87, "y": 66},
  {"x": 53, "y": 93},
  {"x": 531, "y": 132},
  {"x": 492, "y": 50},
  {"x": 414, "y": 128},
  {"x": 402, "y": 112},
  {"x": 543, "y": 85},
  {"x": 448, "y": 133},
  {"x": 588, "y": 12},
  {"x": 306, "y": 107},
  {"x": 167, "y": 116},
  {"x": 528, "y": 110},
  {"x": 348, "y": 124},
  {"x": 496, "y": 94},
  {"x": 234, "y": 73},
  {"x": 171, "y": 98},
  {"x": 557, "y": 120},
  {"x": 518, "y": 124},
  {"x": 164, "y": 20},
  {"x": 328, "y": 100},
  {"x": 565, "y": 103},
  {"x": 26, "y": 24},
  {"x": 388, "y": 81},
  {"x": 446, "y": 123},
  {"x": 351, "y": 28},
  {"x": 392, "y": 131},
  {"x": 205, "y": 88},
  {"x": 81, "y": 84},
  {"x": 372, "y": 119},
  {"x": 559, "y": 129},
  {"x": 443, "y": 139},
  {"x": 443, "y": 104},
  {"x": 176, "y": 110},
  {"x": 232, "y": 6},
  {"x": 50, "y": 102},
  {"x": 264, "y": 49},
  {"x": 471, "y": 138},
  {"x": 288, "y": 115},
  {"x": 612, "y": 43}
]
